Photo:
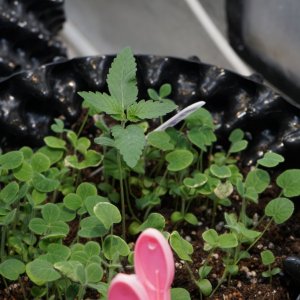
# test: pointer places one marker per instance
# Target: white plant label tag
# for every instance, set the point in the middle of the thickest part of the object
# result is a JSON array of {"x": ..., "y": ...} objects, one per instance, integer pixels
[{"x": 180, "y": 116}]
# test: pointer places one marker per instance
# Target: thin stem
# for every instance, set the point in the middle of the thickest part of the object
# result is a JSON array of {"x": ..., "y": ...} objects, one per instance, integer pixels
[
  {"x": 22, "y": 288},
  {"x": 224, "y": 275},
  {"x": 243, "y": 211},
  {"x": 258, "y": 238},
  {"x": 122, "y": 197},
  {"x": 83, "y": 123},
  {"x": 129, "y": 203},
  {"x": 81, "y": 292},
  {"x": 3, "y": 237}
]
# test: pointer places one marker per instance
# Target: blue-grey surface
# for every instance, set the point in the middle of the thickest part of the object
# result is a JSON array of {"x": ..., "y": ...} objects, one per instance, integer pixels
[{"x": 163, "y": 27}]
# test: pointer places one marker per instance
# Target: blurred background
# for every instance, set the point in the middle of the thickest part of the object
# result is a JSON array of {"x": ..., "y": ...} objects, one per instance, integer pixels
[{"x": 163, "y": 27}]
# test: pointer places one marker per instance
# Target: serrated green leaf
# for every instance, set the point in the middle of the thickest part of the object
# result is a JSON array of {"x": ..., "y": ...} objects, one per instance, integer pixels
[
  {"x": 101, "y": 102},
  {"x": 121, "y": 78},
  {"x": 130, "y": 141},
  {"x": 149, "y": 109},
  {"x": 104, "y": 141}
]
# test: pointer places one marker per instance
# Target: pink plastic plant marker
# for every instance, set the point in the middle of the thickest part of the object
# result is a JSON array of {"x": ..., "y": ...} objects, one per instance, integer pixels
[
  {"x": 154, "y": 264},
  {"x": 154, "y": 267},
  {"x": 127, "y": 287}
]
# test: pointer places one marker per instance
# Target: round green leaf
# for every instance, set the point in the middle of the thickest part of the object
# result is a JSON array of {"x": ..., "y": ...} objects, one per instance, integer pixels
[
  {"x": 165, "y": 90},
  {"x": 38, "y": 226},
  {"x": 220, "y": 171},
  {"x": 94, "y": 272},
  {"x": 107, "y": 213},
  {"x": 160, "y": 140},
  {"x": 90, "y": 227},
  {"x": 54, "y": 155},
  {"x": 44, "y": 184},
  {"x": 54, "y": 142},
  {"x": 114, "y": 244},
  {"x": 38, "y": 197},
  {"x": 183, "y": 248},
  {"x": 191, "y": 218},
  {"x": 205, "y": 287},
  {"x": 238, "y": 146},
  {"x": 180, "y": 294},
  {"x": 92, "y": 248},
  {"x": 280, "y": 209},
  {"x": 50, "y": 213},
  {"x": 227, "y": 240},
  {"x": 9, "y": 192},
  {"x": 289, "y": 181},
  {"x": 24, "y": 172},
  {"x": 270, "y": 160},
  {"x": 57, "y": 252},
  {"x": 12, "y": 268},
  {"x": 40, "y": 162},
  {"x": 73, "y": 201},
  {"x": 267, "y": 257},
  {"x": 86, "y": 189},
  {"x": 211, "y": 237},
  {"x": 154, "y": 220},
  {"x": 179, "y": 160},
  {"x": 11, "y": 160},
  {"x": 41, "y": 271},
  {"x": 236, "y": 135},
  {"x": 258, "y": 179}
]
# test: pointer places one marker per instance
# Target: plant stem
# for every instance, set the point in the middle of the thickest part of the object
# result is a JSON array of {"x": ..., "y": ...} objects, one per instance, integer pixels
[
  {"x": 129, "y": 203},
  {"x": 83, "y": 123},
  {"x": 224, "y": 275},
  {"x": 81, "y": 292},
  {"x": 243, "y": 211},
  {"x": 22, "y": 288},
  {"x": 3, "y": 237},
  {"x": 122, "y": 197},
  {"x": 214, "y": 211}
]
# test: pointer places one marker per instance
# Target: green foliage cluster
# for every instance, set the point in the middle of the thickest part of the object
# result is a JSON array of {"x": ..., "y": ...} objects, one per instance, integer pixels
[{"x": 46, "y": 192}]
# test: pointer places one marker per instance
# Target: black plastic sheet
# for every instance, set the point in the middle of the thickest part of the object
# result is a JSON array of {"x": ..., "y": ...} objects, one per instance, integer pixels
[
  {"x": 27, "y": 34},
  {"x": 30, "y": 100}
]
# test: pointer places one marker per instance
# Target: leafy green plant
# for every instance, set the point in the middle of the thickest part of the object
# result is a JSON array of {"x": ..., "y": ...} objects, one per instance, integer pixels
[
  {"x": 69, "y": 209},
  {"x": 267, "y": 258}
]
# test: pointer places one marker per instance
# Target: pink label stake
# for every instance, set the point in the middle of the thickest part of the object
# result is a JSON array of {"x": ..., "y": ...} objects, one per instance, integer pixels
[{"x": 154, "y": 268}]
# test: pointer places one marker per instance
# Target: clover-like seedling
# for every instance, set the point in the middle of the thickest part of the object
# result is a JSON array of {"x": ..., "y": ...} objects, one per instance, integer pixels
[
  {"x": 268, "y": 259},
  {"x": 213, "y": 240},
  {"x": 203, "y": 283}
]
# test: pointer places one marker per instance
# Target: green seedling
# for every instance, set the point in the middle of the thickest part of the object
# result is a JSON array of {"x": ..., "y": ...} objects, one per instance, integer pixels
[{"x": 267, "y": 258}]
